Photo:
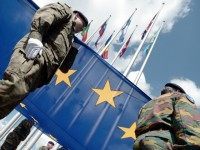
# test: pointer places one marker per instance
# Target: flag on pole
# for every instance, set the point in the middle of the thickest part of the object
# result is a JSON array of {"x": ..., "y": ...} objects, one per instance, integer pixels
[
  {"x": 101, "y": 31},
  {"x": 124, "y": 29},
  {"x": 147, "y": 48},
  {"x": 84, "y": 33},
  {"x": 145, "y": 31},
  {"x": 125, "y": 46},
  {"x": 105, "y": 53}
]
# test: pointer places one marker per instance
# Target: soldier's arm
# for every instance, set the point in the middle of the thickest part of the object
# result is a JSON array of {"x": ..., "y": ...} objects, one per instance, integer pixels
[
  {"x": 47, "y": 16},
  {"x": 186, "y": 122}
]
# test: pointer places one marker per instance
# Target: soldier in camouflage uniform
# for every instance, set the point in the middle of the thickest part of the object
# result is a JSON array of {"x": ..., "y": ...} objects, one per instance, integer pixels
[
  {"x": 17, "y": 135},
  {"x": 170, "y": 121},
  {"x": 38, "y": 54}
]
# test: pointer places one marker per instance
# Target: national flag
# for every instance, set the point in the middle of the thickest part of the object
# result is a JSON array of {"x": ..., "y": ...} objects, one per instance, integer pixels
[
  {"x": 125, "y": 46},
  {"x": 84, "y": 33},
  {"x": 124, "y": 30},
  {"x": 96, "y": 94},
  {"x": 105, "y": 53},
  {"x": 147, "y": 48},
  {"x": 145, "y": 31},
  {"x": 101, "y": 31}
]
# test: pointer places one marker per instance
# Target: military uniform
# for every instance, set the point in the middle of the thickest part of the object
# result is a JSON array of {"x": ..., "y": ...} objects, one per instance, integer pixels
[
  {"x": 43, "y": 148},
  {"x": 53, "y": 26},
  {"x": 170, "y": 121},
  {"x": 17, "y": 135}
]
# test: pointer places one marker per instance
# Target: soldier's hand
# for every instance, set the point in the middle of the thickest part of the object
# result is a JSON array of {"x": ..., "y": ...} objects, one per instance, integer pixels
[{"x": 33, "y": 48}]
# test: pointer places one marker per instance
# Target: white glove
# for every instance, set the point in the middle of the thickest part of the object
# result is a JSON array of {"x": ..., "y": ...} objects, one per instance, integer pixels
[{"x": 33, "y": 48}]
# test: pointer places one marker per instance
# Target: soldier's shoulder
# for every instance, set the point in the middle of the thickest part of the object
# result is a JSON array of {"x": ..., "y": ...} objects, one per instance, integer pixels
[{"x": 178, "y": 95}]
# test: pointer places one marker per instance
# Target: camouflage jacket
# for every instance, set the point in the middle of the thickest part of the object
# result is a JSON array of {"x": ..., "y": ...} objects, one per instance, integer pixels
[{"x": 174, "y": 112}]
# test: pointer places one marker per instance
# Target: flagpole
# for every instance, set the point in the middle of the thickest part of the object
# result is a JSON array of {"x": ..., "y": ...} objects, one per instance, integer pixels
[
  {"x": 147, "y": 57},
  {"x": 89, "y": 39},
  {"x": 122, "y": 47},
  {"x": 115, "y": 35},
  {"x": 141, "y": 44}
]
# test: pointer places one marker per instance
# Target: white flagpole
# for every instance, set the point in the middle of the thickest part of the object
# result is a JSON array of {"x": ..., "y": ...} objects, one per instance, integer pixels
[
  {"x": 122, "y": 47},
  {"x": 147, "y": 57},
  {"x": 115, "y": 35},
  {"x": 89, "y": 39},
  {"x": 141, "y": 44}
]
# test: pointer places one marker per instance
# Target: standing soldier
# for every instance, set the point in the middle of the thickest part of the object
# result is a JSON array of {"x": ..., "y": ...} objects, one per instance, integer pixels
[
  {"x": 170, "y": 121},
  {"x": 38, "y": 54},
  {"x": 17, "y": 135}
]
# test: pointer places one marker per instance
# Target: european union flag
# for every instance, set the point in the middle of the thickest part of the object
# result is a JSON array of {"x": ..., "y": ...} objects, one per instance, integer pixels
[{"x": 92, "y": 106}]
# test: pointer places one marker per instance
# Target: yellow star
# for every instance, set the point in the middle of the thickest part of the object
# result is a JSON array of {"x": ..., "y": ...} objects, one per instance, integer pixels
[
  {"x": 129, "y": 132},
  {"x": 106, "y": 94},
  {"x": 64, "y": 76}
]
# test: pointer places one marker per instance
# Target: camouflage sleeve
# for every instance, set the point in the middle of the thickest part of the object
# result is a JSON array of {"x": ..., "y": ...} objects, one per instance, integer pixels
[
  {"x": 47, "y": 16},
  {"x": 186, "y": 122}
]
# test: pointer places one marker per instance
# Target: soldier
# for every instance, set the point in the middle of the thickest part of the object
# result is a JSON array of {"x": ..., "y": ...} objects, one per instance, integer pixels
[
  {"x": 17, "y": 135},
  {"x": 170, "y": 121},
  {"x": 38, "y": 54}
]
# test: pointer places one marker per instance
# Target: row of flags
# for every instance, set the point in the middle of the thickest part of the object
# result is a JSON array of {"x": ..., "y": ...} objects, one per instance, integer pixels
[
  {"x": 101, "y": 31},
  {"x": 105, "y": 53},
  {"x": 122, "y": 31}
]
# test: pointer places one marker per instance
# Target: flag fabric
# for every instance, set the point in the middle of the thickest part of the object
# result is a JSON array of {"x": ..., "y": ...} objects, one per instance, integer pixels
[
  {"x": 93, "y": 99},
  {"x": 105, "y": 53},
  {"x": 101, "y": 32},
  {"x": 124, "y": 30},
  {"x": 125, "y": 46},
  {"x": 84, "y": 33},
  {"x": 149, "y": 25},
  {"x": 147, "y": 48}
]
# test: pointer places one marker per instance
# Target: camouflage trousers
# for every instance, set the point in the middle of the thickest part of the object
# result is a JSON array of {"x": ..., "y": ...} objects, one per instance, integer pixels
[
  {"x": 21, "y": 76},
  {"x": 17, "y": 135},
  {"x": 154, "y": 140}
]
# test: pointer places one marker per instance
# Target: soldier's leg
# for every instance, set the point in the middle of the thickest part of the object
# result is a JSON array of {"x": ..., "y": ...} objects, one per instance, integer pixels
[
  {"x": 154, "y": 140},
  {"x": 19, "y": 79},
  {"x": 17, "y": 135}
]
